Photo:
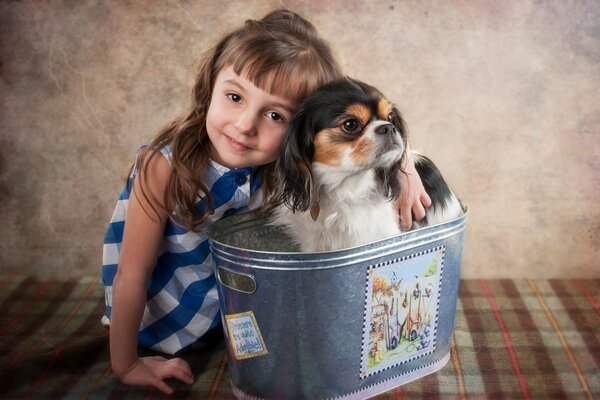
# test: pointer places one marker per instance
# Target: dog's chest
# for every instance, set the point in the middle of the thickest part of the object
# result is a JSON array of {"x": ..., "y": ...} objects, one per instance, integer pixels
[{"x": 341, "y": 225}]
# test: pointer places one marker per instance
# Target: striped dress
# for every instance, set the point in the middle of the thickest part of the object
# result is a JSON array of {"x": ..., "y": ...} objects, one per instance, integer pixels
[{"x": 182, "y": 302}]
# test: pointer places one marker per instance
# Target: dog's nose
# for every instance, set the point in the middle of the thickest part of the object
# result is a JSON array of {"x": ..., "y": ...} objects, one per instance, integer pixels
[{"x": 386, "y": 129}]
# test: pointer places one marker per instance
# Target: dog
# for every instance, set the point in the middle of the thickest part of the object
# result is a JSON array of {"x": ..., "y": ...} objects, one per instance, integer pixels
[{"x": 339, "y": 169}]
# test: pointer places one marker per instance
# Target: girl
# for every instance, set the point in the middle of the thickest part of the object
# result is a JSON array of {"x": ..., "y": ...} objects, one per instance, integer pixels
[{"x": 159, "y": 285}]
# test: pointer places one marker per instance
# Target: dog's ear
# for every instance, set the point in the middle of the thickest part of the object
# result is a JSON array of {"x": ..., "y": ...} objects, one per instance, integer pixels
[
  {"x": 397, "y": 120},
  {"x": 293, "y": 175},
  {"x": 390, "y": 177}
]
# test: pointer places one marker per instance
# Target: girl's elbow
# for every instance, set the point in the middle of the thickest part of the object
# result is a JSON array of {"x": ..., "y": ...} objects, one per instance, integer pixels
[{"x": 131, "y": 277}]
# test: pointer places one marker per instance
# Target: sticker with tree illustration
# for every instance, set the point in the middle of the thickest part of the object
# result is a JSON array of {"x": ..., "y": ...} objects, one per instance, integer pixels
[{"x": 401, "y": 310}]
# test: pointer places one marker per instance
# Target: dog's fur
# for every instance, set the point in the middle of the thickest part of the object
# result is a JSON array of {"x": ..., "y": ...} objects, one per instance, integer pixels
[{"x": 339, "y": 170}]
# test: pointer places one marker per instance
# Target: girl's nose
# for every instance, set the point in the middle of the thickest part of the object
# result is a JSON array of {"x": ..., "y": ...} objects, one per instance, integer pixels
[{"x": 246, "y": 123}]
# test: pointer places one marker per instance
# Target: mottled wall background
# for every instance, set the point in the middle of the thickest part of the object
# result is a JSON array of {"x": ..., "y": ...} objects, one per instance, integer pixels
[{"x": 504, "y": 95}]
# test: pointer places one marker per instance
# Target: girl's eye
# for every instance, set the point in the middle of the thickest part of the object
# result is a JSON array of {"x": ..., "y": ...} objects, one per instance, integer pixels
[
  {"x": 350, "y": 125},
  {"x": 234, "y": 97},
  {"x": 275, "y": 116}
]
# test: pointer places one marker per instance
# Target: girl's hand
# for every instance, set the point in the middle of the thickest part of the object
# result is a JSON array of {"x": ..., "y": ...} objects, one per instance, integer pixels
[
  {"x": 413, "y": 197},
  {"x": 152, "y": 371}
]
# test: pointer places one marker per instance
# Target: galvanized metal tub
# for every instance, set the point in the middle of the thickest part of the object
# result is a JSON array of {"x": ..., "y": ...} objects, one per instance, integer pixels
[{"x": 342, "y": 324}]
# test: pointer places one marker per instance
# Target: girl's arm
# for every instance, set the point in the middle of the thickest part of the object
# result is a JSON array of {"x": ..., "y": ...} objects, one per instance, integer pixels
[
  {"x": 141, "y": 240},
  {"x": 413, "y": 197}
]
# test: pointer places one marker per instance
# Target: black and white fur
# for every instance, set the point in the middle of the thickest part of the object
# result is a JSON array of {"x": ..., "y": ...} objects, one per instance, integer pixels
[{"x": 339, "y": 170}]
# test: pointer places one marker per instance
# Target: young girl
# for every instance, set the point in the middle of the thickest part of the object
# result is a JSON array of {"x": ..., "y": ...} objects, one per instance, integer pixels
[{"x": 159, "y": 285}]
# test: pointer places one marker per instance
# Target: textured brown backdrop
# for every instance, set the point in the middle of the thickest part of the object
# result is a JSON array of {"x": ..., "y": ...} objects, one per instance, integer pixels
[{"x": 504, "y": 95}]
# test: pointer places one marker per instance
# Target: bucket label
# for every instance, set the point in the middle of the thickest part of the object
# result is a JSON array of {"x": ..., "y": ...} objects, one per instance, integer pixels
[
  {"x": 244, "y": 336},
  {"x": 401, "y": 310}
]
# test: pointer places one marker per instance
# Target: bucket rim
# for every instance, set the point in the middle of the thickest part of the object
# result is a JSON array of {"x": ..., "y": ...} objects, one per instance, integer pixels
[{"x": 286, "y": 260}]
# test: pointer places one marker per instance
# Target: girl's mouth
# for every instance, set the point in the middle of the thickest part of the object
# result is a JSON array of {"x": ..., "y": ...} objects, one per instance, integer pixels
[{"x": 237, "y": 145}]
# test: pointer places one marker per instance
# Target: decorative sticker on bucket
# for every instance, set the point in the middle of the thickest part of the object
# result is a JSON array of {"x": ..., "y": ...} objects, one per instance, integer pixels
[
  {"x": 244, "y": 336},
  {"x": 401, "y": 310}
]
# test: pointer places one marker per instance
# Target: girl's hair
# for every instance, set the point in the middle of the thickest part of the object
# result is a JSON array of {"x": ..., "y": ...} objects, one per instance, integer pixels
[{"x": 282, "y": 54}]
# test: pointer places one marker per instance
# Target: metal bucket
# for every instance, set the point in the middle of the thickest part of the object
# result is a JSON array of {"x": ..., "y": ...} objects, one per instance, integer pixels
[{"x": 342, "y": 324}]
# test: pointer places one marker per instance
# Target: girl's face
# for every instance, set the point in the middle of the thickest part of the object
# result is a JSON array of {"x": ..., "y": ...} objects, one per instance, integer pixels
[{"x": 245, "y": 124}]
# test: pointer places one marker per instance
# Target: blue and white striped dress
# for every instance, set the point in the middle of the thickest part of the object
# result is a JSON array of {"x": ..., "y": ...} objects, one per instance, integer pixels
[{"x": 182, "y": 302}]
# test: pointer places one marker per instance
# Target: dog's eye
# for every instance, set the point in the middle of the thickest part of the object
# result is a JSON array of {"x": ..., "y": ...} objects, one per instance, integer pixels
[
  {"x": 390, "y": 117},
  {"x": 350, "y": 125}
]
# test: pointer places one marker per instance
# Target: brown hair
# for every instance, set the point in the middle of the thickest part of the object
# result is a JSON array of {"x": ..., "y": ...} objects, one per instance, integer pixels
[{"x": 282, "y": 54}]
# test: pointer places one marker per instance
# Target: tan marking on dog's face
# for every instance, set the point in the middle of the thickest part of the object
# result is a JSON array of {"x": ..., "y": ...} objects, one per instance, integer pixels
[
  {"x": 327, "y": 150},
  {"x": 384, "y": 108},
  {"x": 331, "y": 144},
  {"x": 360, "y": 112},
  {"x": 361, "y": 150}
]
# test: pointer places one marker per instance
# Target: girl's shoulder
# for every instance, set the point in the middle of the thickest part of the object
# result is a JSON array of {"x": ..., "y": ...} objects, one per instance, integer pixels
[
  {"x": 144, "y": 154},
  {"x": 167, "y": 152}
]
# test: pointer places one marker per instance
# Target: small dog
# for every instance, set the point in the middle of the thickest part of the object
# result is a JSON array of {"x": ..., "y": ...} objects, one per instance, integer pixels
[{"x": 339, "y": 169}]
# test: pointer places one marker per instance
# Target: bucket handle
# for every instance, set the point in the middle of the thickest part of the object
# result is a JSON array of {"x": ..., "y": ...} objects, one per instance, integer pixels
[{"x": 237, "y": 281}]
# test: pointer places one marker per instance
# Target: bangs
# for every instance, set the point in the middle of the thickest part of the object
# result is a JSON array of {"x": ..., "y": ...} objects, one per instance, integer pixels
[
  {"x": 291, "y": 80},
  {"x": 291, "y": 72}
]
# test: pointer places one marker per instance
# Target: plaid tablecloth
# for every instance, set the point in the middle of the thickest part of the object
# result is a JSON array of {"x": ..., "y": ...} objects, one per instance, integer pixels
[{"x": 537, "y": 339}]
